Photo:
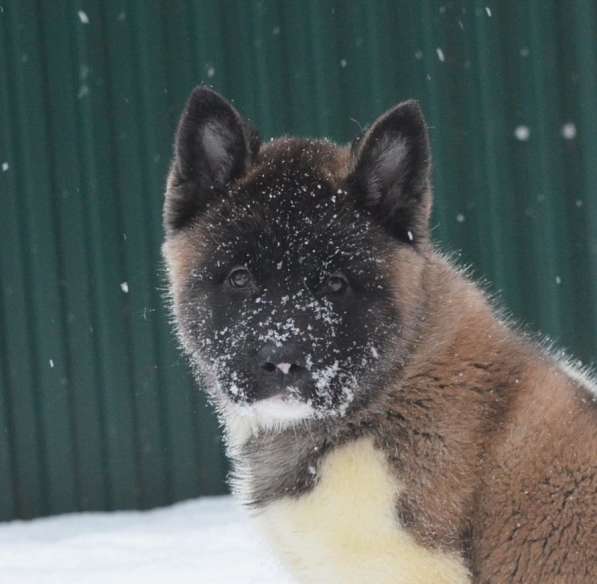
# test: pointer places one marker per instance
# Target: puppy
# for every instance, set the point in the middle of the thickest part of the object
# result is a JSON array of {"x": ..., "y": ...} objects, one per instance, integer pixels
[{"x": 384, "y": 422}]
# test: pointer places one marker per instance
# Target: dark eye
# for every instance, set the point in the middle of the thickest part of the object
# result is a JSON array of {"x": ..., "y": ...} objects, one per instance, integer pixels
[
  {"x": 239, "y": 278},
  {"x": 336, "y": 283}
]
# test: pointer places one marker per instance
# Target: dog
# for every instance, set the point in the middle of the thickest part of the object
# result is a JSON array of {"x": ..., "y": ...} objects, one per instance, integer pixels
[{"x": 385, "y": 422}]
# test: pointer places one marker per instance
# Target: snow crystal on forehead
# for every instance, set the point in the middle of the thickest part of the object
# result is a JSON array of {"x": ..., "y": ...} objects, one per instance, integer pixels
[{"x": 287, "y": 221}]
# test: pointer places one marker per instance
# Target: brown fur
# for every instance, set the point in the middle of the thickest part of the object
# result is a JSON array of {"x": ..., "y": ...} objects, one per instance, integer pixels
[
  {"x": 494, "y": 443},
  {"x": 495, "y": 446},
  {"x": 502, "y": 450}
]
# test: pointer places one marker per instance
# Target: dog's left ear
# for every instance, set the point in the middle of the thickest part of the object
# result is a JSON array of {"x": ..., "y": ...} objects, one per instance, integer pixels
[
  {"x": 214, "y": 146},
  {"x": 390, "y": 171}
]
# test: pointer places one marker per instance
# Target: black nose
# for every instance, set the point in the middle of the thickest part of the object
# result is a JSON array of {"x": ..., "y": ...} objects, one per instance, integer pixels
[{"x": 280, "y": 367}]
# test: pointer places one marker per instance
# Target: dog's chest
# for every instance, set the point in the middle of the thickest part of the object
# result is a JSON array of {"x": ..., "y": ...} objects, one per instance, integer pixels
[{"x": 346, "y": 530}]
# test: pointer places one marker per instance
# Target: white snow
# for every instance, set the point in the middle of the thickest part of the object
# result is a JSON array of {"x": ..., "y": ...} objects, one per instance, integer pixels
[
  {"x": 569, "y": 131},
  {"x": 124, "y": 286},
  {"x": 83, "y": 17},
  {"x": 440, "y": 54},
  {"x": 207, "y": 541},
  {"x": 5, "y": 167},
  {"x": 522, "y": 133}
]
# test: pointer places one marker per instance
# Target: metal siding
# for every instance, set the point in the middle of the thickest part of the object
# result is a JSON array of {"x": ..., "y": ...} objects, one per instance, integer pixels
[{"x": 97, "y": 407}]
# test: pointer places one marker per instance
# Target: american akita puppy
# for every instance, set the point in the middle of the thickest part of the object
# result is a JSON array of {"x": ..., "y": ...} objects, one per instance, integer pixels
[{"x": 386, "y": 425}]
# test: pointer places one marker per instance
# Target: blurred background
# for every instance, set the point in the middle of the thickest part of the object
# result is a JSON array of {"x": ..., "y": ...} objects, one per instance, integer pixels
[{"x": 97, "y": 408}]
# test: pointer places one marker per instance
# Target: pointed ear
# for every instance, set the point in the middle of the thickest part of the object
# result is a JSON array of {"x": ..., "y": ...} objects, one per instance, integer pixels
[
  {"x": 214, "y": 145},
  {"x": 390, "y": 172}
]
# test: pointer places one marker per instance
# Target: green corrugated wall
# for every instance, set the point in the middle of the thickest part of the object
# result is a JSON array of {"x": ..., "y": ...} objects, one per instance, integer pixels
[{"x": 97, "y": 409}]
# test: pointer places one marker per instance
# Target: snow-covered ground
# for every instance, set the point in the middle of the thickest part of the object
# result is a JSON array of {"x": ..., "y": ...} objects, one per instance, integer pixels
[{"x": 208, "y": 541}]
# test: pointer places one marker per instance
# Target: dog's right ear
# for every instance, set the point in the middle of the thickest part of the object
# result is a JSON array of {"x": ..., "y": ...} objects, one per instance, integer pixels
[
  {"x": 214, "y": 145},
  {"x": 391, "y": 172}
]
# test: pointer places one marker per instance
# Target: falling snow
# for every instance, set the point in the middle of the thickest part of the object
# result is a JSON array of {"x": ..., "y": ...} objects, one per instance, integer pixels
[
  {"x": 5, "y": 166},
  {"x": 83, "y": 17},
  {"x": 522, "y": 133},
  {"x": 124, "y": 286},
  {"x": 440, "y": 54},
  {"x": 569, "y": 131}
]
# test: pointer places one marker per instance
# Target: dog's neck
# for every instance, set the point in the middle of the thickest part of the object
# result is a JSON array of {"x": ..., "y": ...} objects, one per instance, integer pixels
[{"x": 463, "y": 367}]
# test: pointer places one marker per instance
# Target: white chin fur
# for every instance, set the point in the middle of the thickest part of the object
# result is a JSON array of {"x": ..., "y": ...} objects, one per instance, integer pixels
[
  {"x": 278, "y": 410},
  {"x": 274, "y": 413}
]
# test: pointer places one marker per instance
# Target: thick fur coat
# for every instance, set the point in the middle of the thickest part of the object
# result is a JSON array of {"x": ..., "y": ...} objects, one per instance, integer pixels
[{"x": 384, "y": 422}]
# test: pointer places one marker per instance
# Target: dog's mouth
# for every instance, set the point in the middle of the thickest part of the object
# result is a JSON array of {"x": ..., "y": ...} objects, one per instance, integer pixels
[
  {"x": 287, "y": 394},
  {"x": 280, "y": 408},
  {"x": 282, "y": 379},
  {"x": 283, "y": 388}
]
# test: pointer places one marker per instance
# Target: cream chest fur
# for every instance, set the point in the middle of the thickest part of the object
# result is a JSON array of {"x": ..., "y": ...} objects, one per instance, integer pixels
[{"x": 346, "y": 531}]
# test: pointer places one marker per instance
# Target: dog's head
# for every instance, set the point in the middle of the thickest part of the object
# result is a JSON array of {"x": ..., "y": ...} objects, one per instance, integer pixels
[{"x": 295, "y": 265}]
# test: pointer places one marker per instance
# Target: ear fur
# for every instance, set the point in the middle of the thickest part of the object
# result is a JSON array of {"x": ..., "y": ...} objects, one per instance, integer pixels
[
  {"x": 213, "y": 146},
  {"x": 390, "y": 171}
]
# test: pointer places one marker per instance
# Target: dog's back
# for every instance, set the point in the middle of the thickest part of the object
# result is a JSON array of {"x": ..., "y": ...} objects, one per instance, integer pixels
[{"x": 537, "y": 518}]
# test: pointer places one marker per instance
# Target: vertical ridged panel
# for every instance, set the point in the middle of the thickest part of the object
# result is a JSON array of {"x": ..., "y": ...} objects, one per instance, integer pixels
[
  {"x": 97, "y": 406},
  {"x": 584, "y": 227}
]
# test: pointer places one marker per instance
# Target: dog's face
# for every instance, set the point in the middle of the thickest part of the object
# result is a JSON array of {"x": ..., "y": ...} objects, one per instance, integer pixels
[{"x": 284, "y": 259}]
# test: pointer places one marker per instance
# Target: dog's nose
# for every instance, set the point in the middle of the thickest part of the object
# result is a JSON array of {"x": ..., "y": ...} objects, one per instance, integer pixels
[{"x": 279, "y": 367}]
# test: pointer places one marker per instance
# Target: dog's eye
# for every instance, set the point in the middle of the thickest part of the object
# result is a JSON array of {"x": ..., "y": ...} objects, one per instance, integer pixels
[
  {"x": 239, "y": 278},
  {"x": 336, "y": 283}
]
